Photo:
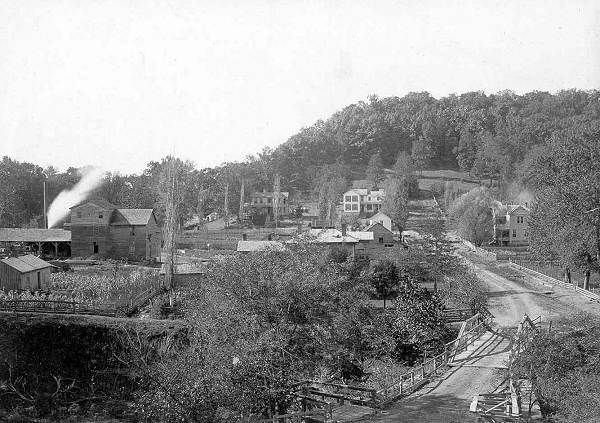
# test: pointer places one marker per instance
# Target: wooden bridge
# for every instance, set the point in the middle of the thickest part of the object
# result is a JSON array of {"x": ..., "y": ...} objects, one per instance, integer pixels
[
  {"x": 507, "y": 405},
  {"x": 345, "y": 403}
]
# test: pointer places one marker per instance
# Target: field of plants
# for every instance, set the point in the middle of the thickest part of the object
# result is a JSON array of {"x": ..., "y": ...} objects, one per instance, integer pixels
[{"x": 105, "y": 284}]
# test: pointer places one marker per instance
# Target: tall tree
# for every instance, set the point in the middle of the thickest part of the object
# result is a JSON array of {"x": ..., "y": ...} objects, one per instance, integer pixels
[
  {"x": 565, "y": 218},
  {"x": 375, "y": 173},
  {"x": 397, "y": 190},
  {"x": 421, "y": 153}
]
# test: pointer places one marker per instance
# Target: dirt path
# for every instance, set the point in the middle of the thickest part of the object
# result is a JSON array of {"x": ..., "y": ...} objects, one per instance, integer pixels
[{"x": 447, "y": 398}]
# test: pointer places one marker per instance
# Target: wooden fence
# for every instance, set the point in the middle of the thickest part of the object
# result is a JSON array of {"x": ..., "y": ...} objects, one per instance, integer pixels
[
  {"x": 74, "y": 307},
  {"x": 57, "y": 306},
  {"x": 593, "y": 295}
]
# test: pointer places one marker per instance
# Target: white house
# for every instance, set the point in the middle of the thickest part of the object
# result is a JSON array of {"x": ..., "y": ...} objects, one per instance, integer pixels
[
  {"x": 362, "y": 201},
  {"x": 511, "y": 224}
]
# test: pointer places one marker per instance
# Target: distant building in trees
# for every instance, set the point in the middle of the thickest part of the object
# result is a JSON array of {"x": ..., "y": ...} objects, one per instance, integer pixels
[
  {"x": 362, "y": 202},
  {"x": 101, "y": 228},
  {"x": 511, "y": 226},
  {"x": 263, "y": 203}
]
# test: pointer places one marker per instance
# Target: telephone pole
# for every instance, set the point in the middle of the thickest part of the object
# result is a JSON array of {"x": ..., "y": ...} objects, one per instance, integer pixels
[{"x": 276, "y": 194}]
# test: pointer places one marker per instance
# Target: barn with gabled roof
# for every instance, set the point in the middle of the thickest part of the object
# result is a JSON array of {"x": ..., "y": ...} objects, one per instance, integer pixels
[{"x": 102, "y": 229}]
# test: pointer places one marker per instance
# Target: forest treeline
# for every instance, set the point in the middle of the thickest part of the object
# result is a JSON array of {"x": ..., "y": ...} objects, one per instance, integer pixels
[{"x": 495, "y": 136}]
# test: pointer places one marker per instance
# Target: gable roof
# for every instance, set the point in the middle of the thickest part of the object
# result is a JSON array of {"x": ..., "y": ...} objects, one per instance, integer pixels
[
  {"x": 511, "y": 208},
  {"x": 28, "y": 263},
  {"x": 251, "y": 246},
  {"x": 362, "y": 235},
  {"x": 380, "y": 214},
  {"x": 132, "y": 217},
  {"x": 372, "y": 225},
  {"x": 97, "y": 201}
]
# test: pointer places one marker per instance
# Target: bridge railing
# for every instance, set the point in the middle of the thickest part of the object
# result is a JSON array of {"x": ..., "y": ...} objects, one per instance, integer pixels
[{"x": 471, "y": 330}]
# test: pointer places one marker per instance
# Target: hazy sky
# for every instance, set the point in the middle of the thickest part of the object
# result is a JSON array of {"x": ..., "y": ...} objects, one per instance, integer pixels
[{"x": 120, "y": 83}]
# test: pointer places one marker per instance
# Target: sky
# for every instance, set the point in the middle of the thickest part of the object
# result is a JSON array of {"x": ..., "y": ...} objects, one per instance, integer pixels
[{"x": 117, "y": 84}]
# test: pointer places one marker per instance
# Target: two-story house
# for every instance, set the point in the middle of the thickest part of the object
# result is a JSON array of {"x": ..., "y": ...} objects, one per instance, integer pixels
[
  {"x": 264, "y": 202},
  {"x": 511, "y": 225},
  {"x": 362, "y": 202}
]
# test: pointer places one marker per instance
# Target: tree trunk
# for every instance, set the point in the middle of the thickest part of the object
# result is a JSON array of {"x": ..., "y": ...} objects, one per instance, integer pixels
[
  {"x": 586, "y": 279},
  {"x": 567, "y": 275}
]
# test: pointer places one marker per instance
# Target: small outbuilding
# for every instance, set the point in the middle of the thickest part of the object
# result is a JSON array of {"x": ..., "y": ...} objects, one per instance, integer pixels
[{"x": 24, "y": 273}]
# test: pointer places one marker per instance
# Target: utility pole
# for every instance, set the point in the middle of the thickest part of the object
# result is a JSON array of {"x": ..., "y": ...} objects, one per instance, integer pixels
[
  {"x": 241, "y": 211},
  {"x": 170, "y": 229},
  {"x": 276, "y": 194},
  {"x": 45, "y": 217},
  {"x": 226, "y": 205}
]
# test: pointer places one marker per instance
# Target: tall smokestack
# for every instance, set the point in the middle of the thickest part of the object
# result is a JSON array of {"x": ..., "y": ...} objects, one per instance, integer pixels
[{"x": 45, "y": 217}]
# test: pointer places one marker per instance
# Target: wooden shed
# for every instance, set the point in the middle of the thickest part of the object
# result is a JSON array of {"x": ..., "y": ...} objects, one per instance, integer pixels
[{"x": 24, "y": 273}]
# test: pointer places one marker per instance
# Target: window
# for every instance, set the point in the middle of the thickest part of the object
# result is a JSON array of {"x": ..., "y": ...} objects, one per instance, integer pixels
[
  {"x": 95, "y": 248},
  {"x": 79, "y": 214},
  {"x": 355, "y": 198},
  {"x": 381, "y": 240},
  {"x": 514, "y": 233},
  {"x": 369, "y": 207},
  {"x": 347, "y": 207},
  {"x": 100, "y": 215},
  {"x": 348, "y": 198},
  {"x": 355, "y": 207},
  {"x": 389, "y": 245},
  {"x": 369, "y": 198},
  {"x": 269, "y": 200},
  {"x": 520, "y": 219}
]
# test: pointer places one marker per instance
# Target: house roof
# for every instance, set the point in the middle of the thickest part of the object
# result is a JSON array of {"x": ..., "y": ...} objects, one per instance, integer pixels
[
  {"x": 359, "y": 191},
  {"x": 252, "y": 246},
  {"x": 362, "y": 235},
  {"x": 34, "y": 235},
  {"x": 379, "y": 215},
  {"x": 132, "y": 217},
  {"x": 97, "y": 201},
  {"x": 270, "y": 194},
  {"x": 372, "y": 225},
  {"x": 510, "y": 208},
  {"x": 332, "y": 236},
  {"x": 28, "y": 263}
]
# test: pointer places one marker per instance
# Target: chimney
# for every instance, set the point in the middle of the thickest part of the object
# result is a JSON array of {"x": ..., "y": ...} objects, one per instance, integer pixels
[{"x": 344, "y": 228}]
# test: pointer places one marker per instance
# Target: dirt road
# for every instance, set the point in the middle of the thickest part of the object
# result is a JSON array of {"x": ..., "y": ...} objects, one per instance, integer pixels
[{"x": 447, "y": 398}]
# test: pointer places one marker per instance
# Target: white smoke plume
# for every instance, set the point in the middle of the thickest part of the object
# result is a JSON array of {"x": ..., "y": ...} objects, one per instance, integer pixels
[{"x": 91, "y": 178}]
